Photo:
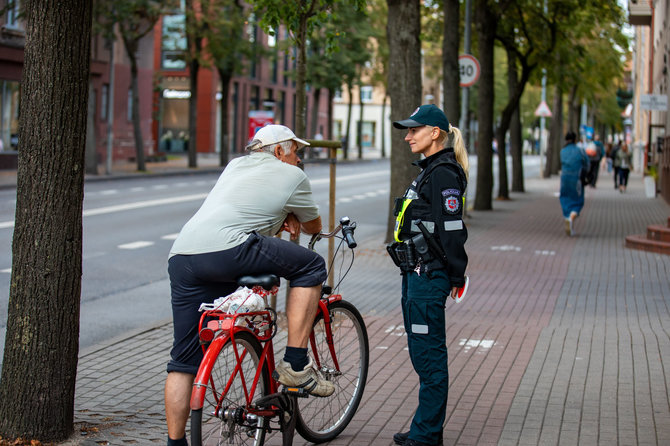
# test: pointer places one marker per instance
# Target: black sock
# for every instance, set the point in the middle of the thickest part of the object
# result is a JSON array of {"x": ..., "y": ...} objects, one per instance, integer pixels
[
  {"x": 297, "y": 357},
  {"x": 181, "y": 442}
]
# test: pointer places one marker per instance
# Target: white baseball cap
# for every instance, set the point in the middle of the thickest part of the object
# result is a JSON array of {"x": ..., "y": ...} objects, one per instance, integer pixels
[{"x": 274, "y": 134}]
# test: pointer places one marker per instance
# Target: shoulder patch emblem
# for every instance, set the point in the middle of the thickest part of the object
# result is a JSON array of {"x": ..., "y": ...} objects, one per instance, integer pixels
[{"x": 452, "y": 200}]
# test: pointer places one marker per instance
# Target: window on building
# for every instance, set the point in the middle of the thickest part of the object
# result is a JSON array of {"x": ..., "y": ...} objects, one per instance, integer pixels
[
  {"x": 174, "y": 43},
  {"x": 337, "y": 129},
  {"x": 366, "y": 93},
  {"x": 368, "y": 134},
  {"x": 9, "y": 115},
  {"x": 13, "y": 10},
  {"x": 254, "y": 100},
  {"x": 104, "y": 102},
  {"x": 337, "y": 95}
]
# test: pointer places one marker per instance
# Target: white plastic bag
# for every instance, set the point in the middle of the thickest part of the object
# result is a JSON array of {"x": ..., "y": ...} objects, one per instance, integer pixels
[{"x": 243, "y": 300}]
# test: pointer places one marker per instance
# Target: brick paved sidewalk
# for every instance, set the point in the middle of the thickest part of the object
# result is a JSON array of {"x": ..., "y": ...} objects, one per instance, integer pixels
[{"x": 561, "y": 340}]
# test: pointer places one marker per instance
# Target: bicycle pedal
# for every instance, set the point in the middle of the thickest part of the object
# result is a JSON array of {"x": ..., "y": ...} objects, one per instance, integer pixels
[{"x": 300, "y": 392}]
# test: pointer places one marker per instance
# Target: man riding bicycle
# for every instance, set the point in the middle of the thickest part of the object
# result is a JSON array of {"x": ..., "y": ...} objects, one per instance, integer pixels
[{"x": 231, "y": 235}]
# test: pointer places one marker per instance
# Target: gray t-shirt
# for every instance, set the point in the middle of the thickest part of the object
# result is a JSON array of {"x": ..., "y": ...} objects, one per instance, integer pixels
[{"x": 254, "y": 193}]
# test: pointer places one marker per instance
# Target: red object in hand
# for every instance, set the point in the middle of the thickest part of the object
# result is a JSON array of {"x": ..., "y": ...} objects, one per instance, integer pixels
[{"x": 462, "y": 290}]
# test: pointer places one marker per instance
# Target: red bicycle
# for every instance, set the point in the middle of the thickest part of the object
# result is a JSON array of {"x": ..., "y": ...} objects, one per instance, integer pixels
[{"x": 236, "y": 400}]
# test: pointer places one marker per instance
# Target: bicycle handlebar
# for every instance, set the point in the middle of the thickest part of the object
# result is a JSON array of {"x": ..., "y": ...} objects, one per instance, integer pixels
[{"x": 346, "y": 226}]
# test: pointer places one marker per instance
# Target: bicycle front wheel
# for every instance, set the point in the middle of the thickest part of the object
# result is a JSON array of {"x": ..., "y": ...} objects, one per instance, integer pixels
[
  {"x": 322, "y": 419},
  {"x": 223, "y": 418}
]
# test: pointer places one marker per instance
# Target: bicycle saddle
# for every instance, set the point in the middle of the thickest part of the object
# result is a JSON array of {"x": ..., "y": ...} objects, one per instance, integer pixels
[{"x": 267, "y": 281}]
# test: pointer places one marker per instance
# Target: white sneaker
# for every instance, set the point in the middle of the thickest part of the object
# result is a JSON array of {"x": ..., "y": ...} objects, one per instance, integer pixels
[{"x": 309, "y": 378}]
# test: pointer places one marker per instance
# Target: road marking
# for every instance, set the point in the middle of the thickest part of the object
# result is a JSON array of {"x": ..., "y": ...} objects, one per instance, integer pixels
[
  {"x": 349, "y": 177},
  {"x": 160, "y": 186},
  {"x": 170, "y": 236},
  {"x": 6, "y": 270},
  {"x": 141, "y": 204},
  {"x": 135, "y": 245},
  {"x": 360, "y": 197},
  {"x": 468, "y": 344},
  {"x": 545, "y": 252},
  {"x": 506, "y": 248},
  {"x": 137, "y": 189},
  {"x": 109, "y": 192},
  {"x": 381, "y": 347},
  {"x": 194, "y": 197}
]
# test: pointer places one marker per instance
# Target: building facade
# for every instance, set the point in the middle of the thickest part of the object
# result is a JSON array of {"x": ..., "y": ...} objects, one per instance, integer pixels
[
  {"x": 650, "y": 121},
  {"x": 266, "y": 93}
]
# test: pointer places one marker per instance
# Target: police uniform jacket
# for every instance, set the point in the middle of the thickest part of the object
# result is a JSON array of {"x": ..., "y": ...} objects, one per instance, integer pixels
[{"x": 438, "y": 193}]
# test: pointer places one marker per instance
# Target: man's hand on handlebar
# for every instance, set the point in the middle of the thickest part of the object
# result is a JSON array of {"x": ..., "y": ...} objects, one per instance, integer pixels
[{"x": 292, "y": 226}]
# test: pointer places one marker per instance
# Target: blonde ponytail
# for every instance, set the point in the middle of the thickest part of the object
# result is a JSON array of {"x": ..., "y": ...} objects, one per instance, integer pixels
[{"x": 459, "y": 150}]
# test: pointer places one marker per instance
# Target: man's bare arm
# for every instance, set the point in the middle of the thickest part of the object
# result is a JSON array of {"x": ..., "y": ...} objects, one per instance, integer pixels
[{"x": 312, "y": 226}]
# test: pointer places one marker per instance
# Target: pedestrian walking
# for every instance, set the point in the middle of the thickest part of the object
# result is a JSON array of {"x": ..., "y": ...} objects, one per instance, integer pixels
[
  {"x": 625, "y": 161},
  {"x": 574, "y": 164},
  {"x": 429, "y": 249},
  {"x": 615, "y": 165},
  {"x": 596, "y": 152}
]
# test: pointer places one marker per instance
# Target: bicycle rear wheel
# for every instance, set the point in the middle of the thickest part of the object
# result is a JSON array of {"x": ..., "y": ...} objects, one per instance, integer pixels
[
  {"x": 222, "y": 417},
  {"x": 322, "y": 419}
]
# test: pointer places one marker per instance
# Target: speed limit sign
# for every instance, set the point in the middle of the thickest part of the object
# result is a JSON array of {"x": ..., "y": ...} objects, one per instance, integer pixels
[{"x": 469, "y": 70}]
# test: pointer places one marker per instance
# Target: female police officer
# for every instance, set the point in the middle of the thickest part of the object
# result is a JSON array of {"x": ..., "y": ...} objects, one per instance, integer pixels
[{"x": 429, "y": 249}]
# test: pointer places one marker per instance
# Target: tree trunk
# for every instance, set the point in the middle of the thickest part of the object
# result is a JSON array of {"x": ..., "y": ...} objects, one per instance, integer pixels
[
  {"x": 301, "y": 75},
  {"x": 135, "y": 111},
  {"x": 555, "y": 133},
  {"x": 485, "y": 23},
  {"x": 403, "y": 29},
  {"x": 345, "y": 148},
  {"x": 451, "y": 73},
  {"x": 516, "y": 149},
  {"x": 313, "y": 128},
  {"x": 223, "y": 106},
  {"x": 194, "y": 67},
  {"x": 515, "y": 88},
  {"x": 314, "y": 120},
  {"x": 383, "y": 125},
  {"x": 573, "y": 111},
  {"x": 359, "y": 126},
  {"x": 329, "y": 130},
  {"x": 560, "y": 136},
  {"x": 42, "y": 340}
]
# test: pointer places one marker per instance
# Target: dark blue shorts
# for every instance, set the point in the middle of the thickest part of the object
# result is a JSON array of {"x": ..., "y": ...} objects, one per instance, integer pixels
[{"x": 199, "y": 278}]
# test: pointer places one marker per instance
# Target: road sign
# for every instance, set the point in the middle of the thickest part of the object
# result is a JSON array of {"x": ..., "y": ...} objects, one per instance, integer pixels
[
  {"x": 658, "y": 102},
  {"x": 543, "y": 110},
  {"x": 469, "y": 70}
]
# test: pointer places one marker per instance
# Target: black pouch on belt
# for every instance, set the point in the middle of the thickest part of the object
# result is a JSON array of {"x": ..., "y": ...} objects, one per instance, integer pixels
[{"x": 402, "y": 255}]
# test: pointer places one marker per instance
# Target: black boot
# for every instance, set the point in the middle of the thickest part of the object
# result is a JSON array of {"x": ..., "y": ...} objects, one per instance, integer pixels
[{"x": 401, "y": 437}]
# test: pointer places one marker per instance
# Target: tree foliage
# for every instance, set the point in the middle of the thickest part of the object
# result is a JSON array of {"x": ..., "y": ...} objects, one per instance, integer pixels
[
  {"x": 299, "y": 18},
  {"x": 338, "y": 53},
  {"x": 133, "y": 19},
  {"x": 229, "y": 50}
]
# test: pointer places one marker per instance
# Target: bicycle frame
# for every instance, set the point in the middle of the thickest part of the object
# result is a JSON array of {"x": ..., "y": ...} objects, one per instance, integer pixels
[{"x": 224, "y": 327}]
